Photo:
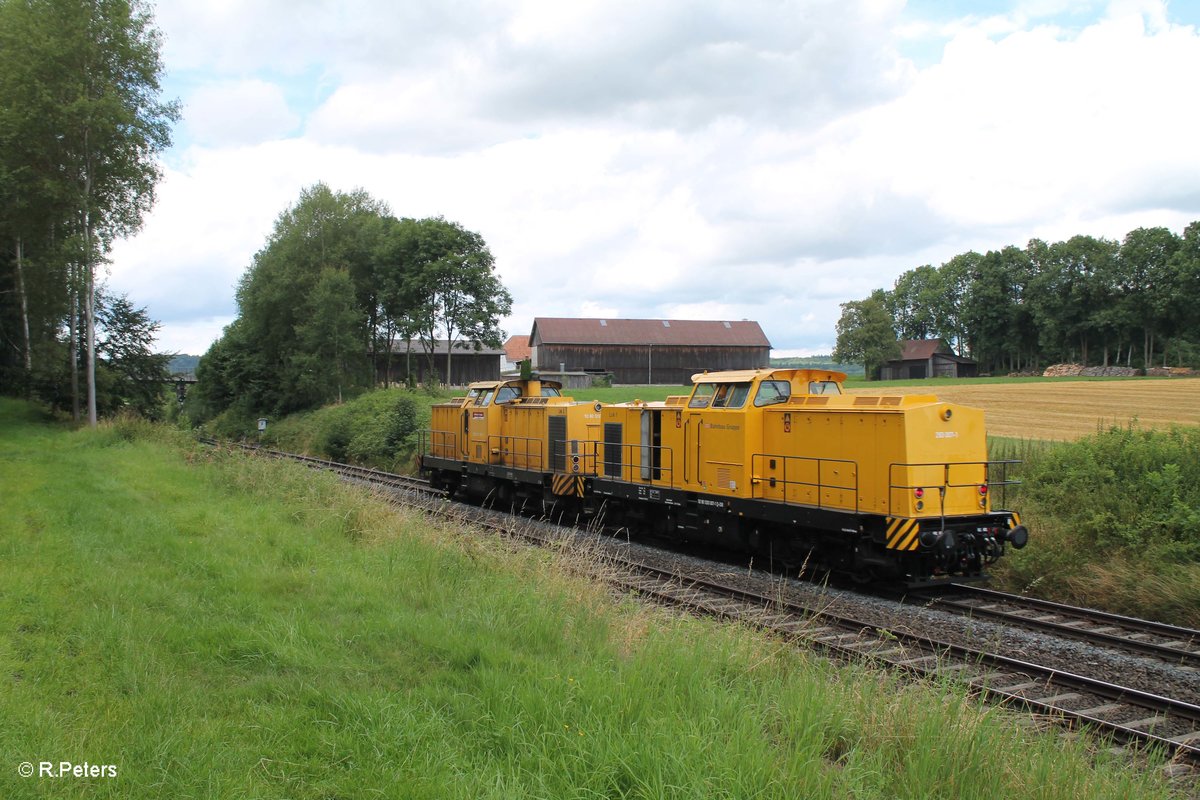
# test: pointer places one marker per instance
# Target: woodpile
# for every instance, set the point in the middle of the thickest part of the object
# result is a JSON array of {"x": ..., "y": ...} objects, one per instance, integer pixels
[
  {"x": 1110, "y": 372},
  {"x": 1078, "y": 370},
  {"x": 1171, "y": 372}
]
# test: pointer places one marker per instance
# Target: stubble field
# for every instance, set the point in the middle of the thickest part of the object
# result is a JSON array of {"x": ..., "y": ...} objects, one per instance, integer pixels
[{"x": 1067, "y": 410}]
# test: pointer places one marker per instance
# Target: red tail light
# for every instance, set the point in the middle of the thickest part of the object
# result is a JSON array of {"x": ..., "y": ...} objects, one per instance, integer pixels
[{"x": 918, "y": 493}]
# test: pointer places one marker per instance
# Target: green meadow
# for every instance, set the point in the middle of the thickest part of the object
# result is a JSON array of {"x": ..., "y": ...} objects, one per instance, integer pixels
[{"x": 211, "y": 625}]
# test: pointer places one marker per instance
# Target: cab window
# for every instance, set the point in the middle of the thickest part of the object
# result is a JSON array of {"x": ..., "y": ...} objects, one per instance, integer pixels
[
  {"x": 482, "y": 397},
  {"x": 702, "y": 396},
  {"x": 731, "y": 395},
  {"x": 507, "y": 393},
  {"x": 550, "y": 391},
  {"x": 771, "y": 392},
  {"x": 824, "y": 387}
]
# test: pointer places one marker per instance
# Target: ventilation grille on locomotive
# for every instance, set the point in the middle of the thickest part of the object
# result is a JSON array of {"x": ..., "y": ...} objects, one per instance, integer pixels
[{"x": 612, "y": 449}]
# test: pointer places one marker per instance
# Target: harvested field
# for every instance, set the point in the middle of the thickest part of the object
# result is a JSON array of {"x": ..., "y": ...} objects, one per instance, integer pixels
[{"x": 1065, "y": 409}]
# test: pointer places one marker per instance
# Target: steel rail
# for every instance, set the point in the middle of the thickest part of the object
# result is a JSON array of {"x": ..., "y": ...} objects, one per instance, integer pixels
[
  {"x": 1187, "y": 744},
  {"x": 1183, "y": 646}
]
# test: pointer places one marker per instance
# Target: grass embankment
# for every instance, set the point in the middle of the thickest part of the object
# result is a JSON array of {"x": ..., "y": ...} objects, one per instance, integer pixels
[
  {"x": 1115, "y": 521},
  {"x": 218, "y": 626},
  {"x": 377, "y": 429}
]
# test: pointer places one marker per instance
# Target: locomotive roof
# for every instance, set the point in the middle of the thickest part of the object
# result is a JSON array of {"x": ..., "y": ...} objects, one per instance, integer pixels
[{"x": 745, "y": 375}]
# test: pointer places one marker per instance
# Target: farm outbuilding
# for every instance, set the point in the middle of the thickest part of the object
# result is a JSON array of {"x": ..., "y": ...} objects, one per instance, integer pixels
[
  {"x": 467, "y": 364},
  {"x": 662, "y": 351},
  {"x": 516, "y": 350},
  {"x": 928, "y": 358}
]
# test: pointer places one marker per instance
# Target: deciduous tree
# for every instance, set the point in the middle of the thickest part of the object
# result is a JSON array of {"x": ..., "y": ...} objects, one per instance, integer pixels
[
  {"x": 865, "y": 334},
  {"x": 83, "y": 103}
]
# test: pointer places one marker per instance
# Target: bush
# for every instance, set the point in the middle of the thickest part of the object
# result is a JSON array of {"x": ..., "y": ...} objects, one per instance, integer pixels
[
  {"x": 1115, "y": 521},
  {"x": 378, "y": 429},
  {"x": 1123, "y": 488},
  {"x": 335, "y": 431},
  {"x": 384, "y": 432}
]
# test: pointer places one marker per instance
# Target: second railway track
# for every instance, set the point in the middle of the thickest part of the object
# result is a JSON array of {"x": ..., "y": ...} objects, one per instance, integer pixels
[{"x": 1167, "y": 642}]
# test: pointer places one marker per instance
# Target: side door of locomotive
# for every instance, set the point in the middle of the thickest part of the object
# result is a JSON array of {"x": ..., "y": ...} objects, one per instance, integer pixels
[{"x": 720, "y": 439}]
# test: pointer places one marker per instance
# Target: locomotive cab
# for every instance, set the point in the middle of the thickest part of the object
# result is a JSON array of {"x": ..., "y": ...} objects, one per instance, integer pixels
[{"x": 504, "y": 438}]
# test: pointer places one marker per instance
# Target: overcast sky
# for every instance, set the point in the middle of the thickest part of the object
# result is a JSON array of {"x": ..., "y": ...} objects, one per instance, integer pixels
[{"x": 691, "y": 159}]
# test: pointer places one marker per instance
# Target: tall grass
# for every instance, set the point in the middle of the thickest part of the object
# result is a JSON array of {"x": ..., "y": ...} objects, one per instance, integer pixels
[{"x": 218, "y": 626}]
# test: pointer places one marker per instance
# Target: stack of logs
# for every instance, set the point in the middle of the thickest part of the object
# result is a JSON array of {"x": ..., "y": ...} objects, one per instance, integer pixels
[{"x": 1078, "y": 370}]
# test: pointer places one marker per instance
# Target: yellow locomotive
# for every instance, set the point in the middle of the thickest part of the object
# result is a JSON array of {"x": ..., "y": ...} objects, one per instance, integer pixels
[{"x": 778, "y": 462}]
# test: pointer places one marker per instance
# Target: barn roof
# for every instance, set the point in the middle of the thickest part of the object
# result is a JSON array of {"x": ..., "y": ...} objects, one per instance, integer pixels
[
  {"x": 922, "y": 349},
  {"x": 441, "y": 346},
  {"x": 516, "y": 348},
  {"x": 681, "y": 332}
]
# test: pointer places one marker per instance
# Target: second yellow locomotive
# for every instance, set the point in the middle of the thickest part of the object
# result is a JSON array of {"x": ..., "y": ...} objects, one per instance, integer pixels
[{"x": 778, "y": 462}]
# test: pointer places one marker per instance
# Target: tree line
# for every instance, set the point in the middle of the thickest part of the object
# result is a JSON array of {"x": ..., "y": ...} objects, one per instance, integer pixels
[
  {"x": 1087, "y": 300},
  {"x": 81, "y": 124},
  {"x": 340, "y": 290}
]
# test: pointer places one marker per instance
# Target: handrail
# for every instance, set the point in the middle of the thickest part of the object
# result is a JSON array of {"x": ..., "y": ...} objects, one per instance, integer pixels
[
  {"x": 440, "y": 444},
  {"x": 757, "y": 480},
  {"x": 944, "y": 485},
  {"x": 531, "y": 450},
  {"x": 583, "y": 457}
]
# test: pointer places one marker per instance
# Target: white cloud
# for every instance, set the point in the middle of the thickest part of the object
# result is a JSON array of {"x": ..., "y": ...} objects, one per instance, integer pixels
[
  {"x": 748, "y": 160},
  {"x": 230, "y": 113}
]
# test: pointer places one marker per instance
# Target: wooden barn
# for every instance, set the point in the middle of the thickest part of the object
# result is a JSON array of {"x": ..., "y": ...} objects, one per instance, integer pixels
[
  {"x": 662, "y": 351},
  {"x": 466, "y": 363},
  {"x": 928, "y": 358}
]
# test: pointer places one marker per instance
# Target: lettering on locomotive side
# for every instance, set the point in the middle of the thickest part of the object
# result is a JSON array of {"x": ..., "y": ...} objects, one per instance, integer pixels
[
  {"x": 719, "y": 427},
  {"x": 946, "y": 435}
]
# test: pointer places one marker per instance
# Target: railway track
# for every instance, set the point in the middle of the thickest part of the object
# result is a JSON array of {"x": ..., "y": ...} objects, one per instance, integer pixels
[
  {"x": 1128, "y": 715},
  {"x": 1170, "y": 643},
  {"x": 365, "y": 474}
]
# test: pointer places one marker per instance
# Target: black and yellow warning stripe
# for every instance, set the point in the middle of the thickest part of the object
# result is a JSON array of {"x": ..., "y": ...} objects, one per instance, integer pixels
[
  {"x": 569, "y": 485},
  {"x": 902, "y": 533},
  {"x": 1014, "y": 519}
]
